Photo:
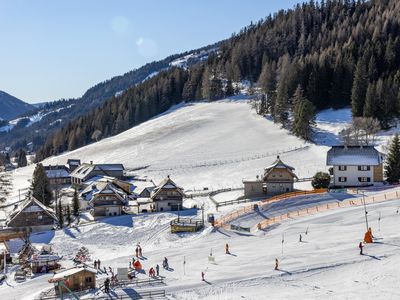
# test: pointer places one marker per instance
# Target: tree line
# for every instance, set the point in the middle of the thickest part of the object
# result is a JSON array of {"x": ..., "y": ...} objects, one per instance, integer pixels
[{"x": 315, "y": 56}]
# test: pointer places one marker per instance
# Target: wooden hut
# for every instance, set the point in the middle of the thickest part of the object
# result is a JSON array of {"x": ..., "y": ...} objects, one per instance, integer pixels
[{"x": 77, "y": 278}]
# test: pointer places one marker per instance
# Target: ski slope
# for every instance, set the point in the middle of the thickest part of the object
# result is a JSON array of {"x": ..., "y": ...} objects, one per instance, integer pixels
[
  {"x": 326, "y": 264},
  {"x": 210, "y": 144}
]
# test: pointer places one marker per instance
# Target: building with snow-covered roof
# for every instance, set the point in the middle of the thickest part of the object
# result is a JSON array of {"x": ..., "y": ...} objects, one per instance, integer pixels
[
  {"x": 58, "y": 175},
  {"x": 354, "y": 166},
  {"x": 76, "y": 279},
  {"x": 73, "y": 164},
  {"x": 167, "y": 196},
  {"x": 87, "y": 171},
  {"x": 278, "y": 178},
  {"x": 104, "y": 199},
  {"x": 32, "y": 214}
]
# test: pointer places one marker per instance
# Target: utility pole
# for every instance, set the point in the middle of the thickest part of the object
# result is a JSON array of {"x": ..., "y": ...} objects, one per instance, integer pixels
[{"x": 365, "y": 210}]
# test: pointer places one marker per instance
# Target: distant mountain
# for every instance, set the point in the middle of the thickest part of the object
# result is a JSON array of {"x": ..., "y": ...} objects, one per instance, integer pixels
[
  {"x": 45, "y": 118},
  {"x": 11, "y": 107}
]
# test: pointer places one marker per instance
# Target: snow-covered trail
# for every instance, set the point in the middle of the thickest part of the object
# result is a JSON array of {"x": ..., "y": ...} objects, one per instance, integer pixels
[{"x": 327, "y": 263}]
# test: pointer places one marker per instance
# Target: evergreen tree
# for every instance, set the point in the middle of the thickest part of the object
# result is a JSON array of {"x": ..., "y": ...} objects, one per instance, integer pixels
[
  {"x": 75, "y": 203},
  {"x": 359, "y": 90},
  {"x": 69, "y": 220},
  {"x": 321, "y": 180},
  {"x": 22, "y": 161},
  {"x": 392, "y": 167},
  {"x": 371, "y": 101},
  {"x": 304, "y": 119},
  {"x": 229, "y": 91},
  {"x": 60, "y": 214},
  {"x": 40, "y": 186},
  {"x": 5, "y": 184}
]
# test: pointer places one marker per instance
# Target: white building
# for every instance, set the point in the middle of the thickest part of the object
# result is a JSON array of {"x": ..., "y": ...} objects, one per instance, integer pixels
[{"x": 354, "y": 166}]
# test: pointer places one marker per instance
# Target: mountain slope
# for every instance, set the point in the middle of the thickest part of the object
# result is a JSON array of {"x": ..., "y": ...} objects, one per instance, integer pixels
[
  {"x": 11, "y": 107},
  {"x": 332, "y": 53}
]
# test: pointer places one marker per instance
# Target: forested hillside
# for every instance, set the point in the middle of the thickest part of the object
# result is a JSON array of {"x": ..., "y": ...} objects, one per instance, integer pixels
[
  {"x": 11, "y": 107},
  {"x": 317, "y": 55}
]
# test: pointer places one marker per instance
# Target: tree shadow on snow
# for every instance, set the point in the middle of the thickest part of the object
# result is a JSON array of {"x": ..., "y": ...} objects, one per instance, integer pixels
[
  {"x": 123, "y": 221},
  {"x": 44, "y": 237},
  {"x": 68, "y": 232}
]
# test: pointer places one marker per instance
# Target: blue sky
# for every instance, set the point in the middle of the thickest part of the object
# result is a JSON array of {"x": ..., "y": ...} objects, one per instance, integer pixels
[{"x": 58, "y": 49}]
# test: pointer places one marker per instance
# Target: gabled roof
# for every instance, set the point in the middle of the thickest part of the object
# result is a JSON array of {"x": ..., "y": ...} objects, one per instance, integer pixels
[
  {"x": 278, "y": 164},
  {"x": 57, "y": 171},
  {"x": 102, "y": 188},
  {"x": 71, "y": 271},
  {"x": 353, "y": 156},
  {"x": 74, "y": 162},
  {"x": 83, "y": 170},
  {"x": 167, "y": 183},
  {"x": 24, "y": 206}
]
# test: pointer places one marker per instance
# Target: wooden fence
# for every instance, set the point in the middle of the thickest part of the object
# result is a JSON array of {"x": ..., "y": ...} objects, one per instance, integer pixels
[
  {"x": 223, "y": 221},
  {"x": 328, "y": 206}
]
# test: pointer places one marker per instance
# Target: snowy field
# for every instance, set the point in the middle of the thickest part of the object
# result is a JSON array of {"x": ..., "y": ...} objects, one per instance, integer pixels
[
  {"x": 216, "y": 145},
  {"x": 326, "y": 264}
]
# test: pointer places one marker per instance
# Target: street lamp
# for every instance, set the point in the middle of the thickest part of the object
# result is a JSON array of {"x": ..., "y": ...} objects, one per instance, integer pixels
[{"x": 365, "y": 210}]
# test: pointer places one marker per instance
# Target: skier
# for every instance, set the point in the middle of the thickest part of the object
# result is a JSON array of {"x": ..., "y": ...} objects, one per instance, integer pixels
[
  {"x": 276, "y": 264},
  {"x": 151, "y": 272},
  {"x": 98, "y": 263},
  {"x": 140, "y": 251},
  {"x": 202, "y": 276},
  {"x": 165, "y": 263},
  {"x": 158, "y": 270},
  {"x": 130, "y": 265},
  {"x": 137, "y": 252},
  {"x": 300, "y": 238},
  {"x": 361, "y": 246},
  {"x": 107, "y": 285},
  {"x": 95, "y": 264},
  {"x": 227, "y": 249}
]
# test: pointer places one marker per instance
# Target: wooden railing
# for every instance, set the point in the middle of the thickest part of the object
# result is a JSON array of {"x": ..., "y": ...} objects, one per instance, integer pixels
[
  {"x": 223, "y": 221},
  {"x": 328, "y": 206}
]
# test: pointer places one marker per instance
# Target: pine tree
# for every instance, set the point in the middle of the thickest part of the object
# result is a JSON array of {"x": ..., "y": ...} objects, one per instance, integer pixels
[
  {"x": 229, "y": 91},
  {"x": 60, "y": 214},
  {"x": 392, "y": 167},
  {"x": 40, "y": 186},
  {"x": 359, "y": 90},
  {"x": 303, "y": 115},
  {"x": 22, "y": 161},
  {"x": 371, "y": 104},
  {"x": 75, "y": 203},
  {"x": 5, "y": 184},
  {"x": 69, "y": 220}
]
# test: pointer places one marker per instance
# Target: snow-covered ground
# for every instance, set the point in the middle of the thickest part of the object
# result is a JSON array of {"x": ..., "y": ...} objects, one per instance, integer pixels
[
  {"x": 325, "y": 264},
  {"x": 216, "y": 145}
]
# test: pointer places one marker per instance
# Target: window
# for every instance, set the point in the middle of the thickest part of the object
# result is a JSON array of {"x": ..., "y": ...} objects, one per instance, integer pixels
[
  {"x": 342, "y": 179},
  {"x": 40, "y": 217},
  {"x": 364, "y": 179},
  {"x": 364, "y": 168},
  {"x": 342, "y": 168},
  {"x": 88, "y": 279}
]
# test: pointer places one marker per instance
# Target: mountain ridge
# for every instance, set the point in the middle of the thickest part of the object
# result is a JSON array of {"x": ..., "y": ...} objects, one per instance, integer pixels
[{"x": 11, "y": 107}]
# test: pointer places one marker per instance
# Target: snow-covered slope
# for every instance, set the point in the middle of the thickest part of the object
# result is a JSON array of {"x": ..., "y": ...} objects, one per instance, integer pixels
[{"x": 204, "y": 145}]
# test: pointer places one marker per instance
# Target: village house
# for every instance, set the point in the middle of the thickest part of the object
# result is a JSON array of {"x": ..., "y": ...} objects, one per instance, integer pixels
[
  {"x": 58, "y": 175},
  {"x": 353, "y": 166},
  {"x": 87, "y": 171},
  {"x": 77, "y": 278},
  {"x": 104, "y": 199},
  {"x": 167, "y": 196},
  {"x": 278, "y": 178},
  {"x": 32, "y": 214}
]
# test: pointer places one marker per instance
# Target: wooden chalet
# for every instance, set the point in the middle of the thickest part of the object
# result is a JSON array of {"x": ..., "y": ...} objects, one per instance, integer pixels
[
  {"x": 77, "y": 278},
  {"x": 58, "y": 175},
  {"x": 104, "y": 199},
  {"x": 278, "y": 178},
  {"x": 167, "y": 196},
  {"x": 33, "y": 215}
]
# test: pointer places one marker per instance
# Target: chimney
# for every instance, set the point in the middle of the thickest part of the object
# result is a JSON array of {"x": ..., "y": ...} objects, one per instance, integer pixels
[{"x": 91, "y": 162}]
